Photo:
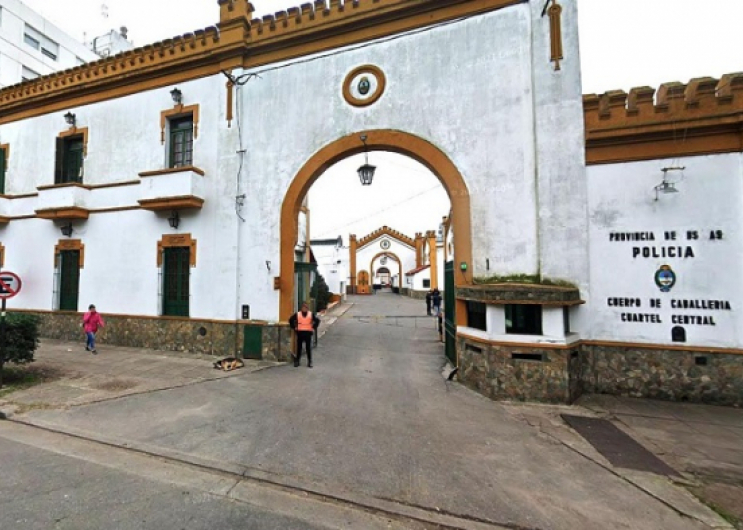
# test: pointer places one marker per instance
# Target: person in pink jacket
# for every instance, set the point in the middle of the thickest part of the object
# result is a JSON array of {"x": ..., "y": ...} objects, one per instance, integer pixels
[{"x": 91, "y": 322}]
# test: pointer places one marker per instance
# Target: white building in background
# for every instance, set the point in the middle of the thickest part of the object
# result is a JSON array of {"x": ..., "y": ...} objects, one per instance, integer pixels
[
  {"x": 31, "y": 46},
  {"x": 111, "y": 43},
  {"x": 332, "y": 262}
]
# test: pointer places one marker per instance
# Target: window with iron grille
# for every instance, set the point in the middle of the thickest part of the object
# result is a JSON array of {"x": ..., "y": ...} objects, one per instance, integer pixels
[
  {"x": 524, "y": 319},
  {"x": 3, "y": 167},
  {"x": 69, "y": 279},
  {"x": 68, "y": 165},
  {"x": 477, "y": 315},
  {"x": 181, "y": 141},
  {"x": 176, "y": 271}
]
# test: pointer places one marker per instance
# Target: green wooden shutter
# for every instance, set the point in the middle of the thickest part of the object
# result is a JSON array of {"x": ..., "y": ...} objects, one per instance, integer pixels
[
  {"x": 176, "y": 271},
  {"x": 69, "y": 279},
  {"x": 181, "y": 142},
  {"x": 2, "y": 171},
  {"x": 73, "y": 160},
  {"x": 59, "y": 161}
]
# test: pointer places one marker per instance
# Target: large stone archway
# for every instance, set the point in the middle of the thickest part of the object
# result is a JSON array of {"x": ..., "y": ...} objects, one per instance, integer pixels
[{"x": 400, "y": 142}]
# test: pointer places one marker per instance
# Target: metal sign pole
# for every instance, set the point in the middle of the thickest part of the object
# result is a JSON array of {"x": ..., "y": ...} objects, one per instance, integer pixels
[{"x": 2, "y": 342}]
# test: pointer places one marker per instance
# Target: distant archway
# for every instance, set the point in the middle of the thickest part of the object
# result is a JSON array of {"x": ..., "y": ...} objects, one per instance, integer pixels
[
  {"x": 399, "y": 142},
  {"x": 391, "y": 255}
]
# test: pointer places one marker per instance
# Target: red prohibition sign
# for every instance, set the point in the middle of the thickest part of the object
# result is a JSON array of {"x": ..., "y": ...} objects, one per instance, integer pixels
[{"x": 10, "y": 284}]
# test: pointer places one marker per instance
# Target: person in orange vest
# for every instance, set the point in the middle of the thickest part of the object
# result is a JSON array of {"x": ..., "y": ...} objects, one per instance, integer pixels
[{"x": 304, "y": 323}]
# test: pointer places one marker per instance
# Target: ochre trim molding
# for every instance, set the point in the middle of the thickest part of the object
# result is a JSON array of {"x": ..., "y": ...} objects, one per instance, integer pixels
[
  {"x": 20, "y": 196},
  {"x": 69, "y": 244},
  {"x": 384, "y": 140},
  {"x": 239, "y": 42},
  {"x": 702, "y": 118},
  {"x": 366, "y": 69},
  {"x": 176, "y": 112},
  {"x": 161, "y": 317},
  {"x": 63, "y": 214},
  {"x": 74, "y": 131},
  {"x": 176, "y": 240},
  {"x": 168, "y": 170},
  {"x": 385, "y": 231},
  {"x": 171, "y": 203},
  {"x": 230, "y": 96},
  {"x": 555, "y": 14},
  {"x": 2, "y": 255}
]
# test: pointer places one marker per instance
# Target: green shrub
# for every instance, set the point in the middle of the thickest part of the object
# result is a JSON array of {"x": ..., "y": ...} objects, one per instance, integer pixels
[
  {"x": 321, "y": 293},
  {"x": 21, "y": 340}
]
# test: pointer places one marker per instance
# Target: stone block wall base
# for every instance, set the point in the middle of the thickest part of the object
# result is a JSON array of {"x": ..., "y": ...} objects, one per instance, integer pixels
[
  {"x": 694, "y": 376},
  {"x": 554, "y": 375},
  {"x": 521, "y": 373},
  {"x": 222, "y": 339}
]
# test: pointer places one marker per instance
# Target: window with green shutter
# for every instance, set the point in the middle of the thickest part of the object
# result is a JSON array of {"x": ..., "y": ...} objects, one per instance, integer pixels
[
  {"x": 69, "y": 162},
  {"x": 69, "y": 279},
  {"x": 181, "y": 141},
  {"x": 3, "y": 167},
  {"x": 176, "y": 271}
]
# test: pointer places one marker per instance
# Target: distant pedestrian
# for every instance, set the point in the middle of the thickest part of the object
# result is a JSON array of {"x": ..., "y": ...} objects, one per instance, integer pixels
[
  {"x": 436, "y": 301},
  {"x": 428, "y": 302},
  {"x": 440, "y": 318},
  {"x": 304, "y": 323},
  {"x": 92, "y": 321}
]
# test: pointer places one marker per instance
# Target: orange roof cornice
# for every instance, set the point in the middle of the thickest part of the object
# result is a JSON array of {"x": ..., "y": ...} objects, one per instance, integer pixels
[{"x": 236, "y": 42}]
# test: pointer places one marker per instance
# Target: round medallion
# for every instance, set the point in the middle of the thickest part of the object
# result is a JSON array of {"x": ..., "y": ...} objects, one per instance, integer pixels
[
  {"x": 385, "y": 244},
  {"x": 364, "y": 85}
]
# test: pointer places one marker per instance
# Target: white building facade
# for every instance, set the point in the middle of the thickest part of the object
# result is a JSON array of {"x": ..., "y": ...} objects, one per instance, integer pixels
[
  {"x": 170, "y": 194},
  {"x": 30, "y": 46}
]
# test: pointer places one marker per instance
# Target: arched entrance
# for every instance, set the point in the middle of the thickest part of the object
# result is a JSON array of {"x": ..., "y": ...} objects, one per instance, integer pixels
[
  {"x": 391, "y": 255},
  {"x": 380, "y": 140}
]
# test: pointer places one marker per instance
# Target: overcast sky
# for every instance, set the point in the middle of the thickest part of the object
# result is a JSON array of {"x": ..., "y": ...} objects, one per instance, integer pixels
[{"x": 624, "y": 43}]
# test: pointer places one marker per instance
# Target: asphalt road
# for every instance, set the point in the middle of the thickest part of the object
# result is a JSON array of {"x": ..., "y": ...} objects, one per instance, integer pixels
[
  {"x": 51, "y": 481},
  {"x": 375, "y": 418}
]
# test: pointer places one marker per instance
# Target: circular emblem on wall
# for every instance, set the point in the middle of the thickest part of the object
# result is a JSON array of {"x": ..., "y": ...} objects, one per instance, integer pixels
[
  {"x": 385, "y": 244},
  {"x": 665, "y": 278},
  {"x": 364, "y": 85}
]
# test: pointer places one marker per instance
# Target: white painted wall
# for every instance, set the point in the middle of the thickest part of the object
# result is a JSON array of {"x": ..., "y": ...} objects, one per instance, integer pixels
[
  {"x": 120, "y": 273},
  {"x": 15, "y": 53},
  {"x": 335, "y": 274},
  {"x": 405, "y": 252},
  {"x": 492, "y": 103},
  {"x": 621, "y": 199}
]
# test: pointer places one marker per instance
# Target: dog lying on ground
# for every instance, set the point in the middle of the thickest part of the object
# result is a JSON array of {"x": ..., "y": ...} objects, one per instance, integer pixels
[{"x": 229, "y": 363}]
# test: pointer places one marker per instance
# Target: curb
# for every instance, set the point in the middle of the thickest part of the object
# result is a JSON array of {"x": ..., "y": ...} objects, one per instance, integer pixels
[{"x": 359, "y": 501}]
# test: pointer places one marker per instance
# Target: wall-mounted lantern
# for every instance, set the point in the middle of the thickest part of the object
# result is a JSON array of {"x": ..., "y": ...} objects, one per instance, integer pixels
[
  {"x": 177, "y": 96},
  {"x": 70, "y": 119},
  {"x": 66, "y": 229},
  {"x": 366, "y": 172},
  {"x": 174, "y": 220},
  {"x": 668, "y": 186}
]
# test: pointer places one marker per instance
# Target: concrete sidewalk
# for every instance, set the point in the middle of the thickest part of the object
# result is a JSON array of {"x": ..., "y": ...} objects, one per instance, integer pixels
[{"x": 78, "y": 377}]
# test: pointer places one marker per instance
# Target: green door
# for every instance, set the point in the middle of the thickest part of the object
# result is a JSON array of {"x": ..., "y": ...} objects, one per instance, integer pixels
[
  {"x": 69, "y": 279},
  {"x": 73, "y": 161},
  {"x": 252, "y": 342},
  {"x": 176, "y": 269},
  {"x": 2, "y": 170},
  {"x": 450, "y": 317}
]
